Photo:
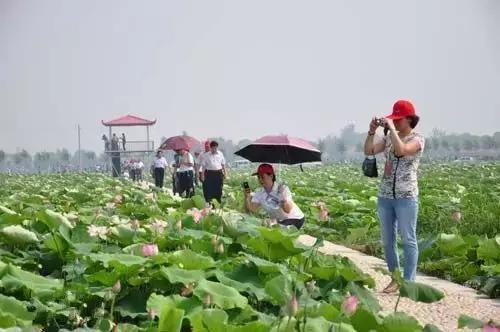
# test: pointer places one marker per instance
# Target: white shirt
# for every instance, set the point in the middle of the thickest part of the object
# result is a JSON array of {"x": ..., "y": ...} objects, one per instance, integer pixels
[
  {"x": 212, "y": 161},
  {"x": 161, "y": 162},
  {"x": 188, "y": 158},
  {"x": 271, "y": 202}
]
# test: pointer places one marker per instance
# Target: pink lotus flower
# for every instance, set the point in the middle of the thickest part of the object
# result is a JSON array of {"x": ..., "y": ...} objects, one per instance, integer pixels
[
  {"x": 206, "y": 211},
  {"x": 196, "y": 215},
  {"x": 350, "y": 305},
  {"x": 323, "y": 211},
  {"x": 293, "y": 306},
  {"x": 489, "y": 328},
  {"x": 456, "y": 216},
  {"x": 148, "y": 250}
]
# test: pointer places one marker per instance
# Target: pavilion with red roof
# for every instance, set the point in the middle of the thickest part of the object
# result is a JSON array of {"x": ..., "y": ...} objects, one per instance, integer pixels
[
  {"x": 132, "y": 147},
  {"x": 129, "y": 121}
]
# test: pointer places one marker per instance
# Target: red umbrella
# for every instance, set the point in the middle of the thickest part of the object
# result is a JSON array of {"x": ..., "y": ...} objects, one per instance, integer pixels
[
  {"x": 181, "y": 142},
  {"x": 280, "y": 149}
]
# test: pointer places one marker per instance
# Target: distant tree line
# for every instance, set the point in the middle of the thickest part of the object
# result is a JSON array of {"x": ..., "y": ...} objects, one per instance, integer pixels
[{"x": 348, "y": 145}]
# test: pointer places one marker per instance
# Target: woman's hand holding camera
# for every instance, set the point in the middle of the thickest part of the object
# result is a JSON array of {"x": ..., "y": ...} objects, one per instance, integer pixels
[{"x": 380, "y": 122}]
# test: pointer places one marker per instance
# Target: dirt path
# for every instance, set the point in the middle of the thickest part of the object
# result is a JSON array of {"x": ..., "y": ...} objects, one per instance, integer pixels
[{"x": 444, "y": 314}]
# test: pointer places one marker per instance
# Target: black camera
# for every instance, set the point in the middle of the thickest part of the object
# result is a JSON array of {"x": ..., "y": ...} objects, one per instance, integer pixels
[
  {"x": 245, "y": 185},
  {"x": 380, "y": 122}
]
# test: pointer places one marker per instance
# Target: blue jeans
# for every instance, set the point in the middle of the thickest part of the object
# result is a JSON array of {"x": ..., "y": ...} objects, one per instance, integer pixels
[{"x": 399, "y": 214}]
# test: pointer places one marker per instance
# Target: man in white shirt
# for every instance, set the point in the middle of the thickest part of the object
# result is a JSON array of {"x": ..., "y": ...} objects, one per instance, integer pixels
[
  {"x": 159, "y": 169},
  {"x": 213, "y": 166},
  {"x": 185, "y": 174}
]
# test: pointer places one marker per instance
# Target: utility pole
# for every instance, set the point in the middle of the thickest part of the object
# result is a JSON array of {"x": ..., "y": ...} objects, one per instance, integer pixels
[{"x": 79, "y": 151}]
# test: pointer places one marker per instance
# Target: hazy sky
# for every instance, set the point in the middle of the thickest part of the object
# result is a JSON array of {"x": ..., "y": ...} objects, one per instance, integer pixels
[{"x": 242, "y": 69}]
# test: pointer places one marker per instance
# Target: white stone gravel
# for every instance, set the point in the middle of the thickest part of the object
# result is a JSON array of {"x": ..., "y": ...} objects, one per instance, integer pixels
[{"x": 444, "y": 314}]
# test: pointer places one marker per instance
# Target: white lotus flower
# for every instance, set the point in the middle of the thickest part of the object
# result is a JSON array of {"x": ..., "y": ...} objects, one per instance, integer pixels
[
  {"x": 98, "y": 231},
  {"x": 158, "y": 226}
]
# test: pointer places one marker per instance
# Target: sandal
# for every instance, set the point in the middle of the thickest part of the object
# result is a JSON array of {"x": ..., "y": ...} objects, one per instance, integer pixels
[{"x": 391, "y": 288}]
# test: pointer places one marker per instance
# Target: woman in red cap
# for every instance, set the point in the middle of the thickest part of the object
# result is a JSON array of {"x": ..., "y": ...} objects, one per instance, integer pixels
[
  {"x": 398, "y": 191},
  {"x": 274, "y": 198}
]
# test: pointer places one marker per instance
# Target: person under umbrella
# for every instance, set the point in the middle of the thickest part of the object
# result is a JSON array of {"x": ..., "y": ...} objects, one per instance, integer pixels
[
  {"x": 185, "y": 174},
  {"x": 213, "y": 173},
  {"x": 274, "y": 198}
]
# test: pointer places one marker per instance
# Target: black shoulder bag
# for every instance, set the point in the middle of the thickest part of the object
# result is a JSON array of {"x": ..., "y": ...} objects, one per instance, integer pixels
[{"x": 370, "y": 167}]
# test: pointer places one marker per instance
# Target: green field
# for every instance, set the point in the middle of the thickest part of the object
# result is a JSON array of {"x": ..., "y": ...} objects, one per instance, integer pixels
[
  {"x": 465, "y": 250},
  {"x": 91, "y": 252}
]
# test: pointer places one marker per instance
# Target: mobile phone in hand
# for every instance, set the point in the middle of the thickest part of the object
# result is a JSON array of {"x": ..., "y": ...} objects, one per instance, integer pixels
[{"x": 245, "y": 185}]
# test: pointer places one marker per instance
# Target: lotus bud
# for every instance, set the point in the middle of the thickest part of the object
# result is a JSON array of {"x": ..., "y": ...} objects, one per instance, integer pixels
[
  {"x": 350, "y": 305},
  {"x": 151, "y": 313},
  {"x": 220, "y": 248},
  {"x": 207, "y": 300},
  {"x": 293, "y": 306},
  {"x": 456, "y": 215},
  {"x": 117, "y": 287},
  {"x": 311, "y": 286},
  {"x": 187, "y": 290},
  {"x": 178, "y": 225},
  {"x": 214, "y": 241},
  {"x": 135, "y": 224}
]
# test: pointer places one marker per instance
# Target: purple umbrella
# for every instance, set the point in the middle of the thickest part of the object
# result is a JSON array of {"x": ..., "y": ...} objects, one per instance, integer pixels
[{"x": 280, "y": 150}]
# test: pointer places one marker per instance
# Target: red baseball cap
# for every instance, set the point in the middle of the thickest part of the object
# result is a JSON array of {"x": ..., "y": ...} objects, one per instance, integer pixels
[
  {"x": 401, "y": 109},
  {"x": 264, "y": 169}
]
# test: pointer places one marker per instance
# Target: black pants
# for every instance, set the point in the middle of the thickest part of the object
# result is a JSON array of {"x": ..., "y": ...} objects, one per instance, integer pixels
[
  {"x": 185, "y": 182},
  {"x": 159, "y": 175},
  {"x": 294, "y": 222},
  {"x": 212, "y": 186}
]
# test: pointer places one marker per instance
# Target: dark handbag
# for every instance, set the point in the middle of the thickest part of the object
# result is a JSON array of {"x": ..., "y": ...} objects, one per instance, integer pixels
[{"x": 370, "y": 167}]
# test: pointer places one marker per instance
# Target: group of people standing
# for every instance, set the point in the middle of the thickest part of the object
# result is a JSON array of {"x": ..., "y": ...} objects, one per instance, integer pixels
[
  {"x": 209, "y": 168},
  {"x": 113, "y": 144},
  {"x": 135, "y": 167}
]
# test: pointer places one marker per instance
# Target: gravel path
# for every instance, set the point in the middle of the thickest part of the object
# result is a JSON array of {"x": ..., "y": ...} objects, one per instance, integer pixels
[{"x": 444, "y": 314}]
